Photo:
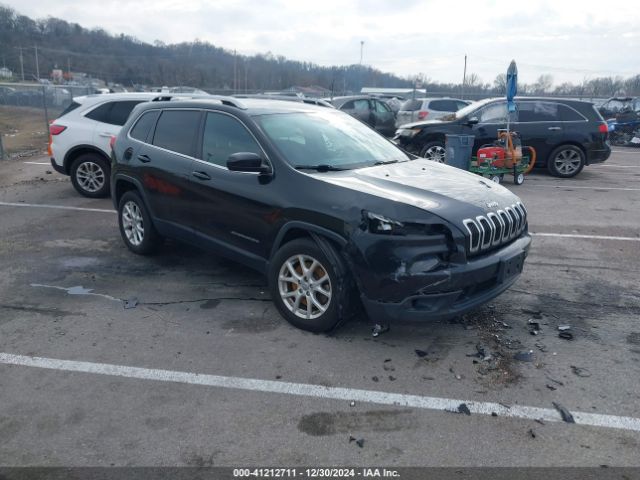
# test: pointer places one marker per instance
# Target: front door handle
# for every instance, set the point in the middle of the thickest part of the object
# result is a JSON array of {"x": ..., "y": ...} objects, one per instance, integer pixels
[
  {"x": 106, "y": 134},
  {"x": 144, "y": 158},
  {"x": 201, "y": 175},
  {"x": 554, "y": 129}
]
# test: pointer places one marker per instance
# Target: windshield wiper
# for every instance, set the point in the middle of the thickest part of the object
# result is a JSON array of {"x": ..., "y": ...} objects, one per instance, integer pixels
[
  {"x": 381, "y": 162},
  {"x": 319, "y": 168}
]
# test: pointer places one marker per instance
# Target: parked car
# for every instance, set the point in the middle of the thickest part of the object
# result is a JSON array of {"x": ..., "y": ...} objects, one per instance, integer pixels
[
  {"x": 79, "y": 138},
  {"x": 372, "y": 111},
  {"x": 417, "y": 109},
  {"x": 566, "y": 134},
  {"x": 331, "y": 212},
  {"x": 620, "y": 107}
]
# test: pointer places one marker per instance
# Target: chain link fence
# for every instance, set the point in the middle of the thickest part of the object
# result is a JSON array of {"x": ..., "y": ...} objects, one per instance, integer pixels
[{"x": 25, "y": 112}]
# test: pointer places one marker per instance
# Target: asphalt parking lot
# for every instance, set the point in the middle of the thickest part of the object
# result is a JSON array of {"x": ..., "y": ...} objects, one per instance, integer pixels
[{"x": 107, "y": 358}]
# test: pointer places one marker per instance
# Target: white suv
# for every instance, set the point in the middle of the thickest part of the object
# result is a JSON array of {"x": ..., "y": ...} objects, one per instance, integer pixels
[{"x": 79, "y": 138}]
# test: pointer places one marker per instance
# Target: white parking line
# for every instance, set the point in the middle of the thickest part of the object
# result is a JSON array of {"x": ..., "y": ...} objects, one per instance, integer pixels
[
  {"x": 620, "y": 166},
  {"x": 589, "y": 237},
  {"x": 319, "y": 391},
  {"x": 625, "y": 151},
  {"x": 38, "y": 163},
  {"x": 586, "y": 188},
  {"x": 61, "y": 207}
]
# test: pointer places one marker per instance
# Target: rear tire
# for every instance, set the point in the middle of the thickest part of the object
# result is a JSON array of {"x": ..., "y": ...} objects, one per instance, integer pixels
[
  {"x": 433, "y": 151},
  {"x": 306, "y": 286},
  {"x": 90, "y": 175},
  {"x": 566, "y": 161},
  {"x": 136, "y": 227}
]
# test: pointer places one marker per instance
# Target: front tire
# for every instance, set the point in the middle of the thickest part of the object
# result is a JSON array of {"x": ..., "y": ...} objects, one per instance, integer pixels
[
  {"x": 90, "y": 175},
  {"x": 566, "y": 161},
  {"x": 433, "y": 151},
  {"x": 136, "y": 227},
  {"x": 306, "y": 286}
]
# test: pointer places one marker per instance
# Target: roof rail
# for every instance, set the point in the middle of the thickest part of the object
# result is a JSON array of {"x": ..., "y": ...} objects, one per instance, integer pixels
[
  {"x": 284, "y": 98},
  {"x": 223, "y": 99}
]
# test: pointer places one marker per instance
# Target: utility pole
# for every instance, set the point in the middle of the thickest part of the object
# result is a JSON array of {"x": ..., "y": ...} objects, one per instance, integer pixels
[
  {"x": 235, "y": 72},
  {"x": 21, "y": 64},
  {"x": 68, "y": 69},
  {"x": 464, "y": 77},
  {"x": 37, "y": 65},
  {"x": 246, "y": 67},
  {"x": 361, "y": 49}
]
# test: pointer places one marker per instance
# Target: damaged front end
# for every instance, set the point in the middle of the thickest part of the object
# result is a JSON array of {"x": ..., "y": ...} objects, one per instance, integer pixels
[{"x": 423, "y": 269}]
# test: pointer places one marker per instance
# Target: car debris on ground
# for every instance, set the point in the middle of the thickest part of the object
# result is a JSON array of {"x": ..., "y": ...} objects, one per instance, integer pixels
[{"x": 564, "y": 413}]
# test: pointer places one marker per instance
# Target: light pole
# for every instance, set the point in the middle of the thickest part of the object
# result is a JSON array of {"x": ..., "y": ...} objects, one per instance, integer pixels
[{"x": 361, "y": 49}]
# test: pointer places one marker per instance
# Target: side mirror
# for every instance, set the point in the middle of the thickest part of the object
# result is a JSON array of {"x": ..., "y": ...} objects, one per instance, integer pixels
[
  {"x": 473, "y": 121},
  {"x": 247, "y": 162}
]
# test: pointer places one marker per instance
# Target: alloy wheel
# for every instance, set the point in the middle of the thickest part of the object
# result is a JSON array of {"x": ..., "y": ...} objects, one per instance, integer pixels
[
  {"x": 90, "y": 176},
  {"x": 567, "y": 161},
  {"x": 435, "y": 153},
  {"x": 304, "y": 286},
  {"x": 132, "y": 223}
]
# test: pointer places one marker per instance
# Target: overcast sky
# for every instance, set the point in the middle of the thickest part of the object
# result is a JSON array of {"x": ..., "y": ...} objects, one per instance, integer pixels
[{"x": 569, "y": 39}]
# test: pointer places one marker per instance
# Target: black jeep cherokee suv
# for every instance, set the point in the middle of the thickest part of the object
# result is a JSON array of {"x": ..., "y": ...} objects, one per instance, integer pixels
[
  {"x": 321, "y": 204},
  {"x": 566, "y": 134}
]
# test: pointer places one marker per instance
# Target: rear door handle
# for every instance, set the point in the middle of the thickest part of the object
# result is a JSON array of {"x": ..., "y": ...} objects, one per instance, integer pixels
[
  {"x": 144, "y": 158},
  {"x": 554, "y": 129},
  {"x": 201, "y": 175}
]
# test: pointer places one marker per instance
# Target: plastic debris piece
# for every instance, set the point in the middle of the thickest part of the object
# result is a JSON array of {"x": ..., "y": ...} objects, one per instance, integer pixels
[
  {"x": 352, "y": 438},
  {"x": 387, "y": 360},
  {"x": 524, "y": 356},
  {"x": 564, "y": 413},
  {"x": 566, "y": 335},
  {"x": 379, "y": 329},
  {"x": 462, "y": 408},
  {"x": 131, "y": 303},
  {"x": 374, "y": 378},
  {"x": 392, "y": 378},
  {"x": 532, "y": 433},
  {"x": 421, "y": 353},
  {"x": 563, "y": 328},
  {"x": 494, "y": 414},
  {"x": 528, "y": 311},
  {"x": 551, "y": 387},
  {"x": 581, "y": 372},
  {"x": 352, "y": 403},
  {"x": 360, "y": 442}
]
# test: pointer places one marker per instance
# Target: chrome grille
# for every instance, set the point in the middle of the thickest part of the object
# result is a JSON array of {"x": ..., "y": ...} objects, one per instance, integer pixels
[{"x": 495, "y": 228}]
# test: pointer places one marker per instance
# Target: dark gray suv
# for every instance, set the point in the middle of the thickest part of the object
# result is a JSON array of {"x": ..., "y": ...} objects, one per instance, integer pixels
[{"x": 331, "y": 212}]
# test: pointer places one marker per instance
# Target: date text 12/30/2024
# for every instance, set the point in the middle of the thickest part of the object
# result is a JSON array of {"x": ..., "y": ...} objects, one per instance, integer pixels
[{"x": 315, "y": 473}]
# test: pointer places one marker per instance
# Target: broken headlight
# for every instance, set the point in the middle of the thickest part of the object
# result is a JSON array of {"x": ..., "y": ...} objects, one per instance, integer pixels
[
  {"x": 376, "y": 223},
  {"x": 407, "y": 132}
]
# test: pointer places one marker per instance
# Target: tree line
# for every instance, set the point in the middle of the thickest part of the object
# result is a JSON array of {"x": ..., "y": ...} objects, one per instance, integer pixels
[{"x": 125, "y": 60}]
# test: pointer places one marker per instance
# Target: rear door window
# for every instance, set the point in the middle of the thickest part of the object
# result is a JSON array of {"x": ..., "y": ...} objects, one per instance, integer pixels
[
  {"x": 569, "y": 114},
  {"x": 101, "y": 113},
  {"x": 381, "y": 107},
  {"x": 120, "y": 111},
  {"x": 176, "y": 131}
]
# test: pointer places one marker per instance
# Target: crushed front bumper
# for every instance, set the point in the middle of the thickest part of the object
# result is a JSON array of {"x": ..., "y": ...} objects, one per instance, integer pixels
[{"x": 453, "y": 290}]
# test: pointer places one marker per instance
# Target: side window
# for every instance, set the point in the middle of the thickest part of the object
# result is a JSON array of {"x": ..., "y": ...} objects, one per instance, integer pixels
[
  {"x": 120, "y": 112},
  {"x": 495, "y": 113},
  {"x": 223, "y": 136},
  {"x": 176, "y": 131},
  {"x": 361, "y": 105},
  {"x": 568, "y": 114},
  {"x": 141, "y": 129},
  {"x": 441, "y": 106},
  {"x": 381, "y": 107},
  {"x": 460, "y": 105},
  {"x": 348, "y": 106},
  {"x": 100, "y": 114}
]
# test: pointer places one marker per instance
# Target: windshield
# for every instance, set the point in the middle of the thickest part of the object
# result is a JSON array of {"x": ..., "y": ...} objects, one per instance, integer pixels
[{"x": 328, "y": 139}]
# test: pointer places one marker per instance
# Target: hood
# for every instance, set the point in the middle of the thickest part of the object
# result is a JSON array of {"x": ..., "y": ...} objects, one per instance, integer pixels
[
  {"x": 446, "y": 191},
  {"x": 425, "y": 123}
]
